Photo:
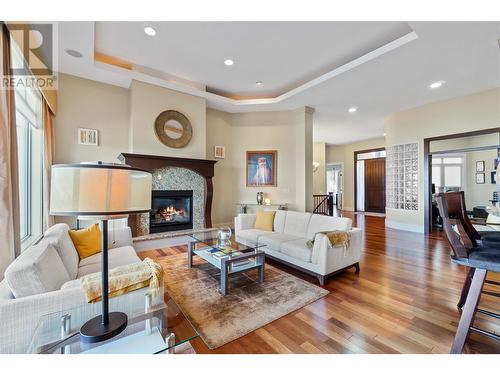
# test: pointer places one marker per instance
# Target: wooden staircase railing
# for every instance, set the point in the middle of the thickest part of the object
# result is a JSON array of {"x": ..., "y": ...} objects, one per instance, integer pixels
[{"x": 323, "y": 204}]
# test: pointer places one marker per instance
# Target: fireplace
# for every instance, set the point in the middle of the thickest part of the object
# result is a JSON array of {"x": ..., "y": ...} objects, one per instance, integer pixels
[{"x": 171, "y": 210}]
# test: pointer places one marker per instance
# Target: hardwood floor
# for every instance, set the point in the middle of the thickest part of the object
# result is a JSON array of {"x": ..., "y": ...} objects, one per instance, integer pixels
[{"x": 403, "y": 301}]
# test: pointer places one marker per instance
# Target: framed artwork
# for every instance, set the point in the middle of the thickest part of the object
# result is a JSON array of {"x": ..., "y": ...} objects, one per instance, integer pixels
[
  {"x": 480, "y": 178},
  {"x": 494, "y": 177},
  {"x": 219, "y": 152},
  {"x": 480, "y": 166},
  {"x": 262, "y": 168},
  {"x": 88, "y": 137}
]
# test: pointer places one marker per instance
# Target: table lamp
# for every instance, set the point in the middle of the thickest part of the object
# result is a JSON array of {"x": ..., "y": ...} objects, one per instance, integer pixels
[{"x": 100, "y": 191}]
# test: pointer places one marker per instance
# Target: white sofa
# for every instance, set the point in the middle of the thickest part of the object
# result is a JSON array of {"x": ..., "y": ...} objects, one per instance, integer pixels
[
  {"x": 45, "y": 279},
  {"x": 291, "y": 231}
]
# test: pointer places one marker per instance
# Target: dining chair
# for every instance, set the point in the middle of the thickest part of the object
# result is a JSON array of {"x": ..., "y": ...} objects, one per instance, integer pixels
[{"x": 480, "y": 260}]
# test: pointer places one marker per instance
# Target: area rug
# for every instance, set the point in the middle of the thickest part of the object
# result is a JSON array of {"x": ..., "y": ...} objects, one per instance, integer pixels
[{"x": 249, "y": 305}]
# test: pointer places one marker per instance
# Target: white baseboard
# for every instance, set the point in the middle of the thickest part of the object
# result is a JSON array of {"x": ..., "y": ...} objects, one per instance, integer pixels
[{"x": 404, "y": 226}]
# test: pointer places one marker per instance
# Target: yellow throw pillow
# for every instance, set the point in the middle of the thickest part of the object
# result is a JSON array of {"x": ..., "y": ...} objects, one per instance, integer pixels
[
  {"x": 87, "y": 241},
  {"x": 264, "y": 220}
]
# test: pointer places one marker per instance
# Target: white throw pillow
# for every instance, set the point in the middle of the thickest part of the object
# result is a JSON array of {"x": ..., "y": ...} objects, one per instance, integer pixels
[
  {"x": 58, "y": 236},
  {"x": 38, "y": 269}
]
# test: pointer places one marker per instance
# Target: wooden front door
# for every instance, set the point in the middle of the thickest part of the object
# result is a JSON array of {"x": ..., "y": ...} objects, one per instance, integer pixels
[{"x": 375, "y": 185}]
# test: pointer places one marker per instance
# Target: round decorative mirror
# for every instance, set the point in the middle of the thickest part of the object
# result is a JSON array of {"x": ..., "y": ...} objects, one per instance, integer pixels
[{"x": 173, "y": 129}]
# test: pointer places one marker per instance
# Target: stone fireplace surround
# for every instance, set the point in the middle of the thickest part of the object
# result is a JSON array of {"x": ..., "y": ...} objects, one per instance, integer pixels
[{"x": 176, "y": 174}]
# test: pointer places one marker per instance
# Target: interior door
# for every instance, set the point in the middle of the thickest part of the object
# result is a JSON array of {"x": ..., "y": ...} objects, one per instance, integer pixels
[{"x": 375, "y": 185}]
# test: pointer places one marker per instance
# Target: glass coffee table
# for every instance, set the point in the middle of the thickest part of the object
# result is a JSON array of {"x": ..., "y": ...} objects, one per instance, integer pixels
[
  {"x": 155, "y": 325},
  {"x": 230, "y": 259}
]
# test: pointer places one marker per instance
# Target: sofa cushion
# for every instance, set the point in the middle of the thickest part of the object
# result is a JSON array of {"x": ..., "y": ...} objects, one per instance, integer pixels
[
  {"x": 58, "y": 236},
  {"x": 38, "y": 269},
  {"x": 296, "y": 223},
  {"x": 251, "y": 236},
  {"x": 264, "y": 220},
  {"x": 279, "y": 221},
  {"x": 322, "y": 223},
  {"x": 274, "y": 240},
  {"x": 297, "y": 249},
  {"x": 119, "y": 256},
  {"x": 87, "y": 241}
]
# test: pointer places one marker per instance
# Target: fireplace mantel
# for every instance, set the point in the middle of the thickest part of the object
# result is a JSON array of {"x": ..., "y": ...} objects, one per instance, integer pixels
[{"x": 149, "y": 163}]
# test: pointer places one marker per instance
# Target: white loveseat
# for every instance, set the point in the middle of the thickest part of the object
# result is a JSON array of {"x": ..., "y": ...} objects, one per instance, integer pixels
[
  {"x": 287, "y": 242},
  {"x": 45, "y": 279}
]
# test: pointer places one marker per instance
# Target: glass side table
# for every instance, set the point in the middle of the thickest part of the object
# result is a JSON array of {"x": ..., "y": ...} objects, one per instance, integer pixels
[{"x": 154, "y": 327}]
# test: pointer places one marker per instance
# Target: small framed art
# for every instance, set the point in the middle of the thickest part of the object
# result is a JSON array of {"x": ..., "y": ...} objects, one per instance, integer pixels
[
  {"x": 480, "y": 166},
  {"x": 219, "y": 152},
  {"x": 480, "y": 178},
  {"x": 494, "y": 177},
  {"x": 89, "y": 137}
]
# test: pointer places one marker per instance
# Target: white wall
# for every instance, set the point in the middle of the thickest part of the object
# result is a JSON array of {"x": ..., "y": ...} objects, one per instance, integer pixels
[{"x": 472, "y": 112}]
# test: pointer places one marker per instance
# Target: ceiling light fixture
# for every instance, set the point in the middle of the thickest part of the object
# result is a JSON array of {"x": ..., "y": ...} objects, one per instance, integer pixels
[
  {"x": 228, "y": 62},
  {"x": 73, "y": 53},
  {"x": 352, "y": 109},
  {"x": 259, "y": 83},
  {"x": 436, "y": 85},
  {"x": 150, "y": 31}
]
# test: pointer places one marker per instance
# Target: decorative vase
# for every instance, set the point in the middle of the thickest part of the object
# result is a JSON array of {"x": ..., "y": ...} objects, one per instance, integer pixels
[{"x": 260, "y": 197}]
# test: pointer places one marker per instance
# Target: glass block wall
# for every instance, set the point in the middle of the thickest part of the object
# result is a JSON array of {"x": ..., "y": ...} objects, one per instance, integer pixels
[{"x": 402, "y": 176}]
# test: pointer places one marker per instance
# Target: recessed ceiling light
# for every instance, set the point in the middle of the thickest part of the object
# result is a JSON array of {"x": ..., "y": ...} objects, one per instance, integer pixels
[
  {"x": 150, "y": 31},
  {"x": 436, "y": 85},
  {"x": 259, "y": 83},
  {"x": 352, "y": 109},
  {"x": 73, "y": 53},
  {"x": 228, "y": 62}
]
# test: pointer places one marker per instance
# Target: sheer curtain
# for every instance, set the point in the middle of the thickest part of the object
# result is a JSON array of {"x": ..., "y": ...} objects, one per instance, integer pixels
[
  {"x": 9, "y": 186},
  {"x": 360, "y": 203}
]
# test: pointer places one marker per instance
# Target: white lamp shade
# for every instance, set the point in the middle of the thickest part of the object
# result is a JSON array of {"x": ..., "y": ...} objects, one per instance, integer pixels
[{"x": 99, "y": 190}]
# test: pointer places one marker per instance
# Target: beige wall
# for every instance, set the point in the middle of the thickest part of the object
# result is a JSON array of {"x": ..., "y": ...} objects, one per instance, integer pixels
[
  {"x": 219, "y": 133},
  {"x": 344, "y": 154},
  {"x": 319, "y": 177},
  {"x": 89, "y": 104},
  {"x": 273, "y": 131},
  {"x": 479, "y": 194},
  {"x": 125, "y": 117},
  {"x": 472, "y": 112},
  {"x": 147, "y": 102}
]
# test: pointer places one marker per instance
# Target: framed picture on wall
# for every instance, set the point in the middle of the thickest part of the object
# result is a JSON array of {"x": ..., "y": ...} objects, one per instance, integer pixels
[
  {"x": 262, "y": 168},
  {"x": 494, "y": 177},
  {"x": 88, "y": 137},
  {"x": 480, "y": 166},
  {"x": 480, "y": 178},
  {"x": 219, "y": 152}
]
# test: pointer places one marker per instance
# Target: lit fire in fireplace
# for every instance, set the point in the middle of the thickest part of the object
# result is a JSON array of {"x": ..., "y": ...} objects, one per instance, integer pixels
[{"x": 171, "y": 213}]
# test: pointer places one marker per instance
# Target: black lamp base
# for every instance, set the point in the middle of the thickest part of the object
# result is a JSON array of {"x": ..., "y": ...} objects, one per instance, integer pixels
[{"x": 94, "y": 331}]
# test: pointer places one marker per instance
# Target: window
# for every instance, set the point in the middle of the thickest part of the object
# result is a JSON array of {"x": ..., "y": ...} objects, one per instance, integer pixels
[
  {"x": 29, "y": 126},
  {"x": 447, "y": 172}
]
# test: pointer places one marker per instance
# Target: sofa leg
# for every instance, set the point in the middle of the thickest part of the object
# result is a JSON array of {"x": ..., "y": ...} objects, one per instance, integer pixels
[
  {"x": 357, "y": 267},
  {"x": 321, "y": 280}
]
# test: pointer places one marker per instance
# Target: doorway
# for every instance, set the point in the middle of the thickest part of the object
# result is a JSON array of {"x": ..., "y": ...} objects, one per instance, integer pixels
[
  {"x": 369, "y": 180},
  {"x": 334, "y": 183}
]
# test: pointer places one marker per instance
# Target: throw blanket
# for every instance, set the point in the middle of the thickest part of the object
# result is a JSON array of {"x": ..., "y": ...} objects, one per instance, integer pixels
[
  {"x": 124, "y": 279},
  {"x": 336, "y": 238}
]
